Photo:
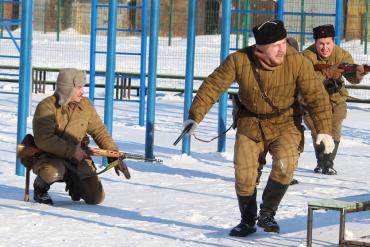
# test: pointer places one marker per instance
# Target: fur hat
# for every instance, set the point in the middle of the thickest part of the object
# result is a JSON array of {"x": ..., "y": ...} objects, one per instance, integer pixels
[
  {"x": 323, "y": 31},
  {"x": 66, "y": 81},
  {"x": 269, "y": 32}
]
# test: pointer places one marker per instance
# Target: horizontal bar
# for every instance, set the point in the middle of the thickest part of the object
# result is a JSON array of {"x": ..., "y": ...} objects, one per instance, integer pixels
[
  {"x": 8, "y": 74},
  {"x": 121, "y": 53},
  {"x": 120, "y": 6},
  {"x": 309, "y": 14},
  {"x": 9, "y": 56},
  {"x": 120, "y": 29}
]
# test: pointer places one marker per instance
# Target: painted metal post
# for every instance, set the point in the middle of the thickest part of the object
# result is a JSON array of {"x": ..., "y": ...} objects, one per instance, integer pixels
[
  {"x": 237, "y": 24},
  {"x": 189, "y": 74},
  {"x": 338, "y": 21},
  {"x": 94, "y": 13},
  {"x": 59, "y": 8},
  {"x": 1, "y": 18},
  {"x": 170, "y": 25},
  {"x": 366, "y": 25},
  {"x": 225, "y": 46},
  {"x": 144, "y": 30},
  {"x": 111, "y": 64},
  {"x": 280, "y": 10},
  {"x": 303, "y": 24},
  {"x": 24, "y": 76},
  {"x": 152, "y": 76}
]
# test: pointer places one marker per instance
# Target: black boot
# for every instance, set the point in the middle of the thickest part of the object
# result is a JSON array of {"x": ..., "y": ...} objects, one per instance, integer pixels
[
  {"x": 271, "y": 198},
  {"x": 319, "y": 153},
  {"x": 328, "y": 162},
  {"x": 72, "y": 185},
  {"x": 40, "y": 192},
  {"x": 248, "y": 210}
]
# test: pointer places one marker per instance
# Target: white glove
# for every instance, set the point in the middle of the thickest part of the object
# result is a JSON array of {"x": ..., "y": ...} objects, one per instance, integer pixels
[
  {"x": 328, "y": 142},
  {"x": 187, "y": 123}
]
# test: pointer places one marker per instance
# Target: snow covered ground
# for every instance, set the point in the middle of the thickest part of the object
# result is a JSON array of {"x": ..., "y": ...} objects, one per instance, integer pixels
[{"x": 187, "y": 200}]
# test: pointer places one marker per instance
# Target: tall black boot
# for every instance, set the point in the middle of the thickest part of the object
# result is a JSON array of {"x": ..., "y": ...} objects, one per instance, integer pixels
[
  {"x": 271, "y": 198},
  {"x": 248, "y": 210},
  {"x": 328, "y": 161},
  {"x": 40, "y": 192},
  {"x": 319, "y": 153}
]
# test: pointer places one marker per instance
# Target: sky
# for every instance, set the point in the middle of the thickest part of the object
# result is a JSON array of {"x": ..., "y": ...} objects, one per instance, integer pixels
[{"x": 184, "y": 201}]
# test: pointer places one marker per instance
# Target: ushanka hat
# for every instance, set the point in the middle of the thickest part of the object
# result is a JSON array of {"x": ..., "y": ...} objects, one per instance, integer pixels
[
  {"x": 323, "y": 31},
  {"x": 66, "y": 81},
  {"x": 269, "y": 32}
]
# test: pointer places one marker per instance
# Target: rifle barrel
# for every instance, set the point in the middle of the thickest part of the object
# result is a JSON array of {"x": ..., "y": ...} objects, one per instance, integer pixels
[{"x": 141, "y": 157}]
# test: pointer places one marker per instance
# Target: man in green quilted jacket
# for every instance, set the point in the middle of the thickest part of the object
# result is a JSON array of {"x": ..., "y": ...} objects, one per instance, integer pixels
[
  {"x": 325, "y": 52},
  {"x": 60, "y": 124},
  {"x": 270, "y": 75}
]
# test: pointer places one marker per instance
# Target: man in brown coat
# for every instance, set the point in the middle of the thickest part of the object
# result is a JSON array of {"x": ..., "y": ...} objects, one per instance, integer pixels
[
  {"x": 60, "y": 123},
  {"x": 324, "y": 51},
  {"x": 270, "y": 75}
]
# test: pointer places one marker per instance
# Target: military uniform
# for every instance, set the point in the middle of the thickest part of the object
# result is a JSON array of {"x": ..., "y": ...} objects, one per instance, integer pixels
[
  {"x": 255, "y": 134},
  {"x": 337, "y": 99},
  {"x": 259, "y": 129},
  {"x": 270, "y": 76},
  {"x": 61, "y": 124},
  {"x": 57, "y": 130}
]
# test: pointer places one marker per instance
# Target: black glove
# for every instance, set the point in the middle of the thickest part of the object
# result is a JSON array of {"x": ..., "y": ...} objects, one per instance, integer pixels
[{"x": 120, "y": 167}]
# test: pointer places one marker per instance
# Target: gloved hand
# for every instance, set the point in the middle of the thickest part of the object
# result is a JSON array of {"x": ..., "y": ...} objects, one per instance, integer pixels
[
  {"x": 187, "y": 123},
  {"x": 360, "y": 72},
  {"x": 332, "y": 72},
  {"x": 327, "y": 141},
  {"x": 120, "y": 167}
]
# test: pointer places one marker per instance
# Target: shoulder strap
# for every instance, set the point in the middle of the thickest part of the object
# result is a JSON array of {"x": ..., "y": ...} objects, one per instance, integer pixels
[{"x": 259, "y": 81}]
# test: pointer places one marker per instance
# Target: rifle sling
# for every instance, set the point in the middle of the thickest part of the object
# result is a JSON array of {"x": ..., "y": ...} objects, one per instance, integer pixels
[{"x": 109, "y": 166}]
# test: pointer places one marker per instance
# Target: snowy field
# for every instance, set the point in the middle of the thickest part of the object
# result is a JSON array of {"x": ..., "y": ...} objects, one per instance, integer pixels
[{"x": 187, "y": 200}]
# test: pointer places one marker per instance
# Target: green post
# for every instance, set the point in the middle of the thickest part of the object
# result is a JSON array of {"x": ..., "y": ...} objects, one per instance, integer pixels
[
  {"x": 246, "y": 23},
  {"x": 1, "y": 17},
  {"x": 237, "y": 24},
  {"x": 170, "y": 25},
  {"x": 58, "y": 17},
  {"x": 366, "y": 24},
  {"x": 303, "y": 24}
]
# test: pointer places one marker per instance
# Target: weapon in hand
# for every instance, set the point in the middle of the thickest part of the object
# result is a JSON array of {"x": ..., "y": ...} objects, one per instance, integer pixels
[
  {"x": 29, "y": 151},
  {"x": 347, "y": 67},
  {"x": 183, "y": 133}
]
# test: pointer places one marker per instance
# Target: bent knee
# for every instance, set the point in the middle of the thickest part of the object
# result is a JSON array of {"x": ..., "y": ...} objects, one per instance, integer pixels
[
  {"x": 94, "y": 199},
  {"x": 283, "y": 169}
]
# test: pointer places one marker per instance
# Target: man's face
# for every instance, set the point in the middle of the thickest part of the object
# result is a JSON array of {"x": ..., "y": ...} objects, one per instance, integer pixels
[
  {"x": 324, "y": 46},
  {"x": 78, "y": 93},
  {"x": 275, "y": 52}
]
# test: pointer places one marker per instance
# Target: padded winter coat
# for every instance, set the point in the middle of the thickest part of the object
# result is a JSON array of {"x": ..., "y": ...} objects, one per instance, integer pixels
[
  {"x": 337, "y": 57},
  {"x": 282, "y": 85},
  {"x": 57, "y": 130}
]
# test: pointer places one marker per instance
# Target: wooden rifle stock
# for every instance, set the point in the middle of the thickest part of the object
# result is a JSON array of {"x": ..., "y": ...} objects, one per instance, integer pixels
[
  {"x": 347, "y": 67},
  {"x": 24, "y": 151}
]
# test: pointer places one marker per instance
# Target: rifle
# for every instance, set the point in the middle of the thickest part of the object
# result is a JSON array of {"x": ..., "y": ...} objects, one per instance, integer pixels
[
  {"x": 347, "y": 67},
  {"x": 24, "y": 151}
]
